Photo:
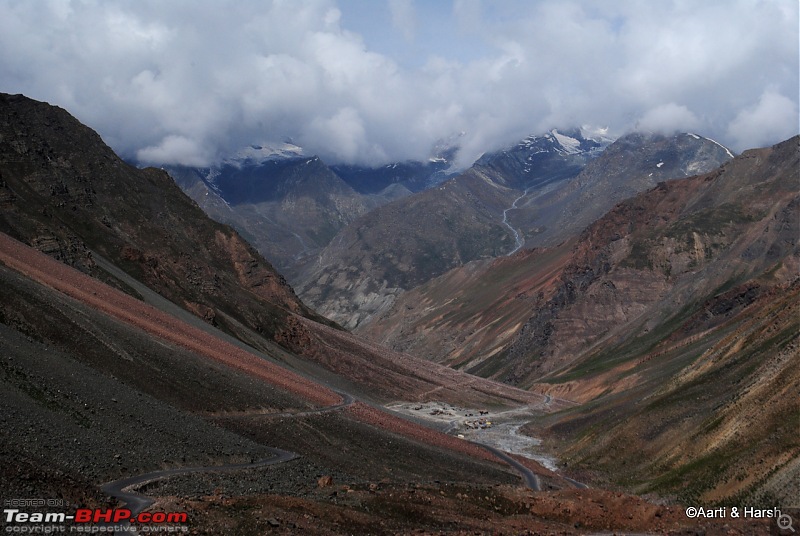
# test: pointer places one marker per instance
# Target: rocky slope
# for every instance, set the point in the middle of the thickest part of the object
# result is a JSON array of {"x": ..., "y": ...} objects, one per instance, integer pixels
[
  {"x": 708, "y": 415},
  {"x": 680, "y": 309},
  {"x": 664, "y": 250},
  {"x": 405, "y": 243},
  {"x": 168, "y": 394},
  {"x": 470, "y": 313}
]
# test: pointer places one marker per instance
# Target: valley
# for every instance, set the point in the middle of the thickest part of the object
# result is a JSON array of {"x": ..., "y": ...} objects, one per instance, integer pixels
[{"x": 573, "y": 336}]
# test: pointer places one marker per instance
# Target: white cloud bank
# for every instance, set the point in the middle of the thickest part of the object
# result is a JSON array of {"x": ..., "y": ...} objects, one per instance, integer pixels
[{"x": 188, "y": 82}]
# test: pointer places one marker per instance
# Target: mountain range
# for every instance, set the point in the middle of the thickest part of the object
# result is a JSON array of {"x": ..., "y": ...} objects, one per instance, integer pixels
[
  {"x": 651, "y": 347},
  {"x": 541, "y": 191},
  {"x": 289, "y": 205}
]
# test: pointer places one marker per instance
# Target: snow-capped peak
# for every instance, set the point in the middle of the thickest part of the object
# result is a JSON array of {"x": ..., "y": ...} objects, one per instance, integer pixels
[
  {"x": 264, "y": 152},
  {"x": 569, "y": 144}
]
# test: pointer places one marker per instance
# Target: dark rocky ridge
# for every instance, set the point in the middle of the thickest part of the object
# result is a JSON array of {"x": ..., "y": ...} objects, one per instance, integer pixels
[{"x": 66, "y": 192}]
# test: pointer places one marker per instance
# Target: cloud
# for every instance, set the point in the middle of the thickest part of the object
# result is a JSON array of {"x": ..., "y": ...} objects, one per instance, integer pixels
[
  {"x": 344, "y": 133},
  {"x": 668, "y": 118},
  {"x": 175, "y": 150},
  {"x": 404, "y": 17},
  {"x": 185, "y": 82},
  {"x": 773, "y": 118}
]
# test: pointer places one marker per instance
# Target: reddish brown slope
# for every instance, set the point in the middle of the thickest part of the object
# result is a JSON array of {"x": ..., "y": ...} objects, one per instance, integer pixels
[
  {"x": 470, "y": 313},
  {"x": 119, "y": 305},
  {"x": 390, "y": 375},
  {"x": 677, "y": 323},
  {"x": 662, "y": 254}
]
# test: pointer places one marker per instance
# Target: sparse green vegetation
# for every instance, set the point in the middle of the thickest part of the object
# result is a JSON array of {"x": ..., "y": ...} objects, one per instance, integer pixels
[
  {"x": 690, "y": 480},
  {"x": 711, "y": 221},
  {"x": 639, "y": 256}
]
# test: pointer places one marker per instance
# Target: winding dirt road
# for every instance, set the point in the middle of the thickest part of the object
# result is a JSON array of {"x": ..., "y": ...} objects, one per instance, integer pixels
[
  {"x": 529, "y": 477},
  {"x": 137, "y": 502}
]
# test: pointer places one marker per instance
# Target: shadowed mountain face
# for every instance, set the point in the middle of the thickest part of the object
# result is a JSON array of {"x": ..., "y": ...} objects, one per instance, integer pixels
[
  {"x": 63, "y": 191},
  {"x": 405, "y": 243},
  {"x": 288, "y": 208},
  {"x": 409, "y": 176},
  {"x": 538, "y": 161},
  {"x": 542, "y": 191},
  {"x": 632, "y": 164}
]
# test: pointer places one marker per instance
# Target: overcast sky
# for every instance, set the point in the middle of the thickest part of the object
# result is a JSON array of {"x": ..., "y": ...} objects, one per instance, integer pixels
[{"x": 368, "y": 81}]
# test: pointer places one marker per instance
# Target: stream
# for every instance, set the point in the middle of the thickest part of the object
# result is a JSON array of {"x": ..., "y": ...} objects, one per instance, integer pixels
[{"x": 520, "y": 241}]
